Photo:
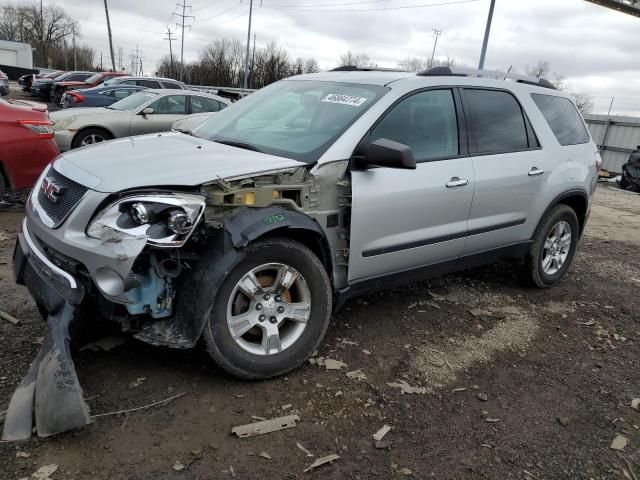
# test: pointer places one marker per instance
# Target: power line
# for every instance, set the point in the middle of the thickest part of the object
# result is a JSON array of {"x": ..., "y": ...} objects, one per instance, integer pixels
[
  {"x": 205, "y": 6},
  {"x": 182, "y": 25},
  {"x": 318, "y": 8},
  {"x": 235, "y": 7},
  {"x": 329, "y": 4}
]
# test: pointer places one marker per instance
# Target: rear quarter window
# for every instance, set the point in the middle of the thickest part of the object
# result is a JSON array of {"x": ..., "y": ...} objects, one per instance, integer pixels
[{"x": 563, "y": 118}]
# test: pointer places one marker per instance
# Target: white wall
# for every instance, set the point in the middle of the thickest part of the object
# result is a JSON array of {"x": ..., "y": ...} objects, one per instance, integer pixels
[{"x": 16, "y": 54}]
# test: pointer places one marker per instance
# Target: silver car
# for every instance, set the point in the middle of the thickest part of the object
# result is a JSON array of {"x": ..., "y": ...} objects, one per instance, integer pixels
[
  {"x": 148, "y": 111},
  {"x": 250, "y": 232}
]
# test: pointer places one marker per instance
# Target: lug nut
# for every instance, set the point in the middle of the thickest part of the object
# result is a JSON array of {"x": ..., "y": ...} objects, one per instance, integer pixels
[
  {"x": 262, "y": 318},
  {"x": 278, "y": 299},
  {"x": 266, "y": 296},
  {"x": 280, "y": 309},
  {"x": 259, "y": 306},
  {"x": 273, "y": 320}
]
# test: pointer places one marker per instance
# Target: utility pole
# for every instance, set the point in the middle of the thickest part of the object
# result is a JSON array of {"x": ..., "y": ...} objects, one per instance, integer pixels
[
  {"x": 253, "y": 58},
  {"x": 436, "y": 35},
  {"x": 75, "y": 57},
  {"x": 42, "y": 49},
  {"x": 168, "y": 37},
  {"x": 113, "y": 60},
  {"x": 183, "y": 16},
  {"x": 101, "y": 69},
  {"x": 120, "y": 49},
  {"x": 246, "y": 63},
  {"x": 487, "y": 30}
]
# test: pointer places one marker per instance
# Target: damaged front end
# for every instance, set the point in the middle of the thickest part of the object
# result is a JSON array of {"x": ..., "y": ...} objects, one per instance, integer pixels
[{"x": 136, "y": 257}]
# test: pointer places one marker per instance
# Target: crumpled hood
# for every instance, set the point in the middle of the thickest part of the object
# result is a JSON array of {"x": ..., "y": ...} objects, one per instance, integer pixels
[{"x": 162, "y": 159}]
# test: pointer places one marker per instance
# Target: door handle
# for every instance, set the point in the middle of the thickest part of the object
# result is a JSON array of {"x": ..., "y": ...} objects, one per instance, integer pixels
[
  {"x": 535, "y": 171},
  {"x": 457, "y": 182}
]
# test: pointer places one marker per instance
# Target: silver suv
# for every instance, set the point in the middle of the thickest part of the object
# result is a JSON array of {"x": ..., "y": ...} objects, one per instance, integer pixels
[{"x": 248, "y": 233}]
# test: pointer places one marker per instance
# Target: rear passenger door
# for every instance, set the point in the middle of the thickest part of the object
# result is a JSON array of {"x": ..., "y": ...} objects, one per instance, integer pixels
[
  {"x": 406, "y": 219},
  {"x": 510, "y": 170}
]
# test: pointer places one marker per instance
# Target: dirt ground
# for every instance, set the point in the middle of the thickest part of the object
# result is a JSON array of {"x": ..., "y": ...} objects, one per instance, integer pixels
[{"x": 512, "y": 382}]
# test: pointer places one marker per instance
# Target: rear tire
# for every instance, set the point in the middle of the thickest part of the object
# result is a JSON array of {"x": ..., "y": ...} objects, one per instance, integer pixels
[
  {"x": 90, "y": 136},
  {"x": 3, "y": 185},
  {"x": 278, "y": 342},
  {"x": 553, "y": 248}
]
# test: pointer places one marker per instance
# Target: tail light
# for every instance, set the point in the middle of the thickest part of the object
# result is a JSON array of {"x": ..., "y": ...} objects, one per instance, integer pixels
[
  {"x": 42, "y": 128},
  {"x": 75, "y": 97}
]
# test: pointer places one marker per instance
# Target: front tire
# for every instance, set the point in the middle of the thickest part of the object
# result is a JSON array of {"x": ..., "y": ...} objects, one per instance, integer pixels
[
  {"x": 90, "y": 136},
  {"x": 554, "y": 246},
  {"x": 271, "y": 312}
]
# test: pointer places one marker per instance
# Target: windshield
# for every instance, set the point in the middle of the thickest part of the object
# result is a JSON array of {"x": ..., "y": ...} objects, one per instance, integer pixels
[
  {"x": 133, "y": 102},
  {"x": 93, "y": 78},
  {"x": 62, "y": 76},
  {"x": 297, "y": 119}
]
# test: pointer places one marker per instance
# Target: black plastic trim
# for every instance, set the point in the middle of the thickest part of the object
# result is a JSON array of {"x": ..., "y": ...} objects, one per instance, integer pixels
[
  {"x": 444, "y": 238},
  {"x": 516, "y": 250}
]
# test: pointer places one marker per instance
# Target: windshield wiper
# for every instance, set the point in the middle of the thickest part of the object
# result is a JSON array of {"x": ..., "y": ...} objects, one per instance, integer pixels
[
  {"x": 233, "y": 143},
  {"x": 185, "y": 131}
]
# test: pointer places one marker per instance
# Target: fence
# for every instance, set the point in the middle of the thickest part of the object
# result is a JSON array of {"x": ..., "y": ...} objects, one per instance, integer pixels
[{"x": 616, "y": 137}]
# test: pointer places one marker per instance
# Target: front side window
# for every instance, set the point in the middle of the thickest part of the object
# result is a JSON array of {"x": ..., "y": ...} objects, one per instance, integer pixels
[
  {"x": 426, "y": 122},
  {"x": 170, "y": 105},
  {"x": 563, "y": 118},
  {"x": 121, "y": 93},
  {"x": 78, "y": 77},
  {"x": 298, "y": 119},
  {"x": 204, "y": 104},
  {"x": 497, "y": 122}
]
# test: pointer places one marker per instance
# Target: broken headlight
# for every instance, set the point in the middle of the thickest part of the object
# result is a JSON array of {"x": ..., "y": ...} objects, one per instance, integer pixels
[{"x": 166, "y": 220}]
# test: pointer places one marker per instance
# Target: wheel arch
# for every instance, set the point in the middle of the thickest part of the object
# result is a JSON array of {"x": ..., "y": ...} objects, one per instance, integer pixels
[
  {"x": 89, "y": 127},
  {"x": 248, "y": 225},
  {"x": 577, "y": 199}
]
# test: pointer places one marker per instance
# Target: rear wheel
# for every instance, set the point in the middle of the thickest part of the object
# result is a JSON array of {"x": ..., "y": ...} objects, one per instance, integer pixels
[
  {"x": 90, "y": 136},
  {"x": 271, "y": 311},
  {"x": 554, "y": 246},
  {"x": 3, "y": 185}
]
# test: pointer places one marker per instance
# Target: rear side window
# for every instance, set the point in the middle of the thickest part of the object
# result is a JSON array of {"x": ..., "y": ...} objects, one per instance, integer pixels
[
  {"x": 78, "y": 77},
  {"x": 204, "y": 104},
  {"x": 563, "y": 118},
  {"x": 497, "y": 122},
  {"x": 148, "y": 83},
  {"x": 172, "y": 85}
]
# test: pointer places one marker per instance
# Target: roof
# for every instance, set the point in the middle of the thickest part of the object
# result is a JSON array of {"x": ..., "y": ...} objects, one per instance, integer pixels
[{"x": 463, "y": 76}]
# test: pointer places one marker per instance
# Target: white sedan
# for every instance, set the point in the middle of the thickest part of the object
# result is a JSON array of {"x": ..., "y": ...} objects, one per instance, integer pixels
[{"x": 144, "y": 112}]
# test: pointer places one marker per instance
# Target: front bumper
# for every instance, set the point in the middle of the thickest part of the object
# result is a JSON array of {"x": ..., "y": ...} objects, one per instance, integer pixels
[{"x": 108, "y": 263}]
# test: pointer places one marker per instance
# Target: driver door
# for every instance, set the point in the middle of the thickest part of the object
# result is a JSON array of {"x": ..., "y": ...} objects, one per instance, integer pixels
[
  {"x": 166, "y": 110},
  {"x": 406, "y": 219}
]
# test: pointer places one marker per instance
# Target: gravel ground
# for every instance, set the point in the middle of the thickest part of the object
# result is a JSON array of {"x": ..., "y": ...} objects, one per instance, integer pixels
[{"x": 510, "y": 382}]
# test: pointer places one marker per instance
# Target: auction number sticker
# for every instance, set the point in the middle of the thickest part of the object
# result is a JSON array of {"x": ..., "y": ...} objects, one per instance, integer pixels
[{"x": 344, "y": 99}]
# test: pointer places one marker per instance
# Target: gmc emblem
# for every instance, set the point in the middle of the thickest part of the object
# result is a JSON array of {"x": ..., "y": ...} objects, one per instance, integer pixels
[{"x": 51, "y": 189}]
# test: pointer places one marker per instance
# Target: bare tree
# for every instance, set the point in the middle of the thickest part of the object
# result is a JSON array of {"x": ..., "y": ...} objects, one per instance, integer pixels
[
  {"x": 221, "y": 63},
  {"x": 583, "y": 101},
  {"x": 360, "y": 60},
  {"x": 45, "y": 30},
  {"x": 417, "y": 64}
]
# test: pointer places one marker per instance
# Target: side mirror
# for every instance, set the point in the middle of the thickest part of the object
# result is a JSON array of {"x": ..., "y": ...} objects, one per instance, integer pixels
[
  {"x": 387, "y": 153},
  {"x": 147, "y": 111}
]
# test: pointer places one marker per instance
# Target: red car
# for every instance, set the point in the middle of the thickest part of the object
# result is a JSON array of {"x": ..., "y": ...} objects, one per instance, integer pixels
[
  {"x": 26, "y": 143},
  {"x": 60, "y": 87}
]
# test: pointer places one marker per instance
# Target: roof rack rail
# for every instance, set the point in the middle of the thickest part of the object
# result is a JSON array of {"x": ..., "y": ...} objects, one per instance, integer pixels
[
  {"x": 471, "y": 72},
  {"x": 353, "y": 68}
]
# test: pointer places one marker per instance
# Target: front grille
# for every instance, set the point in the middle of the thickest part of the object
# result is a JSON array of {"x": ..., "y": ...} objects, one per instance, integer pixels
[{"x": 71, "y": 195}]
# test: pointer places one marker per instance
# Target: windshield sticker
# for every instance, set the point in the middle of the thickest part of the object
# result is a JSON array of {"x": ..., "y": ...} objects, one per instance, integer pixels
[{"x": 344, "y": 99}]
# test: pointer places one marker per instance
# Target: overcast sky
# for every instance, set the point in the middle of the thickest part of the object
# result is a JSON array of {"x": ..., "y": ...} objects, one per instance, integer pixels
[{"x": 594, "y": 47}]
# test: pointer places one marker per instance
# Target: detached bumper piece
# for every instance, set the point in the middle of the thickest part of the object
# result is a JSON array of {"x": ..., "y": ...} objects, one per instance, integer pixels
[{"x": 50, "y": 391}]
